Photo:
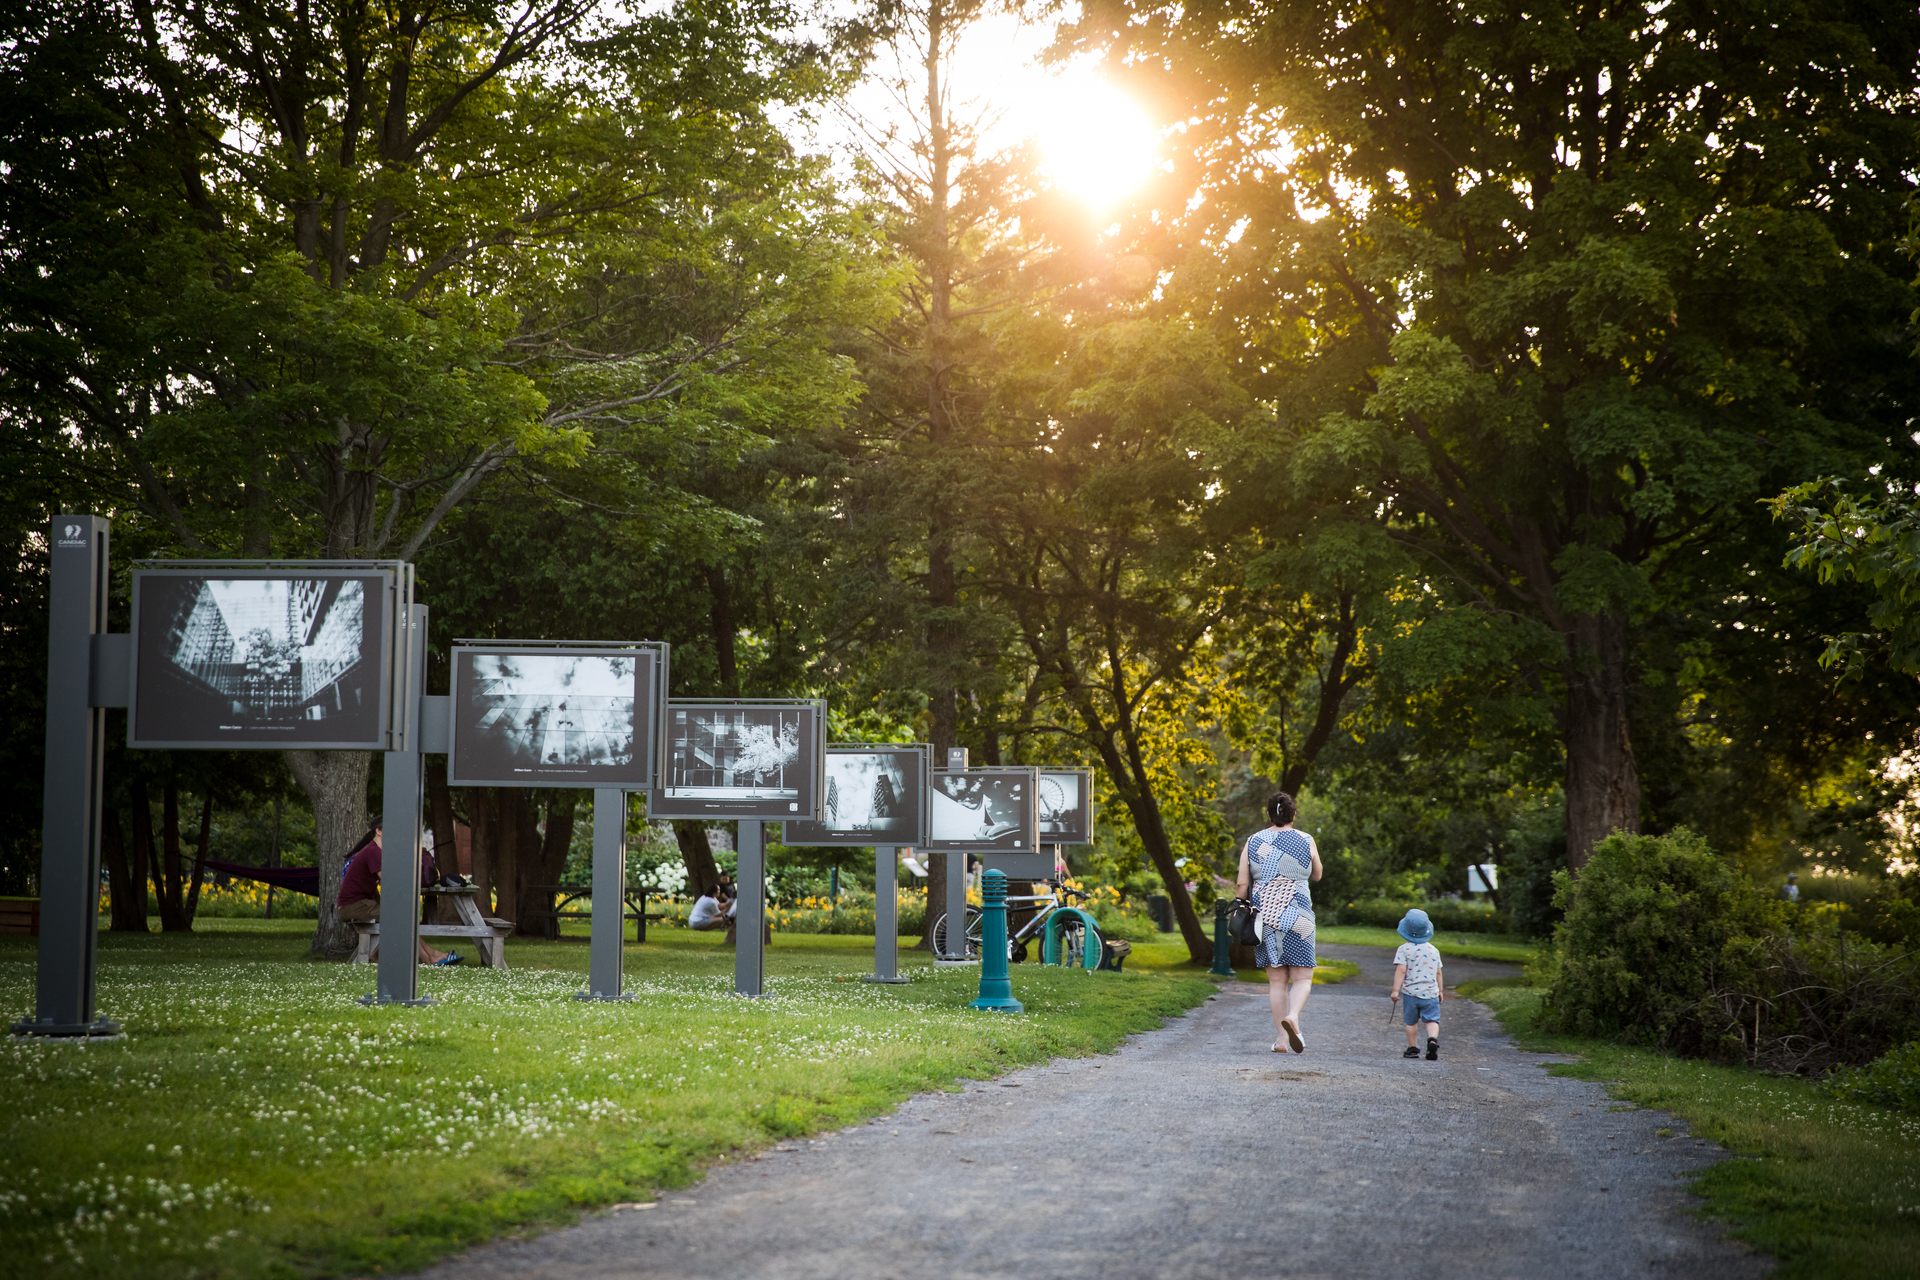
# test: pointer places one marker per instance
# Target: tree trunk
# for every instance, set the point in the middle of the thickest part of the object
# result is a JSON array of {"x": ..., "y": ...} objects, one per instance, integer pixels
[
  {"x": 170, "y": 874},
  {"x": 192, "y": 904},
  {"x": 543, "y": 857},
  {"x": 145, "y": 863},
  {"x": 513, "y": 838},
  {"x": 1144, "y": 809},
  {"x": 1603, "y": 786},
  {"x": 127, "y": 909},
  {"x": 480, "y": 824},
  {"x": 696, "y": 854},
  {"x": 942, "y": 588},
  {"x": 1339, "y": 679},
  {"x": 336, "y": 787},
  {"x": 446, "y": 844}
]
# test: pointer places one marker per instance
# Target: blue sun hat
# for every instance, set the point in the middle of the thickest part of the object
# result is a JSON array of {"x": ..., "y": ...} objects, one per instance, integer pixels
[{"x": 1415, "y": 927}]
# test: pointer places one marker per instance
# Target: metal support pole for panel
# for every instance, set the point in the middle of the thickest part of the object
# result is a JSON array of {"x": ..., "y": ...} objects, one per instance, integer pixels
[
  {"x": 886, "y": 923},
  {"x": 604, "y": 980},
  {"x": 398, "y": 978},
  {"x": 956, "y": 908},
  {"x": 750, "y": 915},
  {"x": 75, "y": 760}
]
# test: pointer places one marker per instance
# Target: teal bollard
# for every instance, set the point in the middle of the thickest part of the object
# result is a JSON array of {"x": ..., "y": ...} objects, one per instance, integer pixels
[
  {"x": 1222, "y": 966},
  {"x": 996, "y": 986}
]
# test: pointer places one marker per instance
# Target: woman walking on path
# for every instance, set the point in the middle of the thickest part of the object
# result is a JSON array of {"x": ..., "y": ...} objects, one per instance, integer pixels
[{"x": 1276, "y": 864}]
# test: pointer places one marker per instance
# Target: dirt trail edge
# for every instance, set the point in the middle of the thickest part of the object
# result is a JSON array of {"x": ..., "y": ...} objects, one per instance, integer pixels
[{"x": 1194, "y": 1150}]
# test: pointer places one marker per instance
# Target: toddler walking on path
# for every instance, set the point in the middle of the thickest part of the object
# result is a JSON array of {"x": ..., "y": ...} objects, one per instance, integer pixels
[{"x": 1418, "y": 980}]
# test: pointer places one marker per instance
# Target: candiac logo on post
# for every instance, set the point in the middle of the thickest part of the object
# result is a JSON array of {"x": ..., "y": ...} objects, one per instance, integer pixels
[{"x": 73, "y": 535}]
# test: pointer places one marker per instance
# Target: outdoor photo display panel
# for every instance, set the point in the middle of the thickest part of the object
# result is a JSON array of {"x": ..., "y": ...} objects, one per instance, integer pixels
[
  {"x": 261, "y": 658},
  {"x": 1066, "y": 806},
  {"x": 554, "y": 716},
  {"x": 982, "y": 810},
  {"x": 741, "y": 760},
  {"x": 874, "y": 795}
]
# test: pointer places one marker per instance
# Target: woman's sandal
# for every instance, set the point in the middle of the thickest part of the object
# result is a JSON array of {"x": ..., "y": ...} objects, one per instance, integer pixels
[
  {"x": 1294, "y": 1041},
  {"x": 1277, "y": 1048}
]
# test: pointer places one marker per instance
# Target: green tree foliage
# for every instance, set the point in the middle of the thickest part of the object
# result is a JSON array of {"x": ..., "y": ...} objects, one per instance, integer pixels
[
  {"x": 1561, "y": 292},
  {"x": 307, "y": 278}
]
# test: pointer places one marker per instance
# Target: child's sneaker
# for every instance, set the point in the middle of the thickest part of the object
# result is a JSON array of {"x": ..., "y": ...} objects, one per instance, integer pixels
[
  {"x": 1433, "y": 1049},
  {"x": 1411, "y": 1052}
]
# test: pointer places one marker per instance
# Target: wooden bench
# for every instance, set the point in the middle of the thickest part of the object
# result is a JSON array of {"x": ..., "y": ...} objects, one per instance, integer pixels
[
  {"x": 489, "y": 935},
  {"x": 1114, "y": 953},
  {"x": 20, "y": 917}
]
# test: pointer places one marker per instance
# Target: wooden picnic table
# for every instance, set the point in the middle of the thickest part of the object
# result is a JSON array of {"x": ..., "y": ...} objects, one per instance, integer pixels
[
  {"x": 558, "y": 896},
  {"x": 489, "y": 935}
]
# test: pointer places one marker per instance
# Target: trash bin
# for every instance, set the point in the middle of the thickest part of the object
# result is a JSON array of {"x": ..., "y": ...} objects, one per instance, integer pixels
[{"x": 1160, "y": 907}]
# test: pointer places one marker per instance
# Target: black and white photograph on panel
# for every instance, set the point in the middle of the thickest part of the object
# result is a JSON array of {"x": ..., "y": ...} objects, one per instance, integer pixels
[
  {"x": 555, "y": 718},
  {"x": 740, "y": 760},
  {"x": 231, "y": 659},
  {"x": 982, "y": 809},
  {"x": 874, "y": 795},
  {"x": 1066, "y": 806}
]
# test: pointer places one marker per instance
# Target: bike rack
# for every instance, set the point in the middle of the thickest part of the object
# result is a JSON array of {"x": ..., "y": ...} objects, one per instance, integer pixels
[{"x": 1050, "y": 939}]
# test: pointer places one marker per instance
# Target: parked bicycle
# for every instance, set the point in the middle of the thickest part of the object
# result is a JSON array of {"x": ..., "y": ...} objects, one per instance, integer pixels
[{"x": 1074, "y": 940}]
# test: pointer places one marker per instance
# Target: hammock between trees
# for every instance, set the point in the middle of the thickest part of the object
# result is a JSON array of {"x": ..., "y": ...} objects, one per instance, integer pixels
[{"x": 299, "y": 879}]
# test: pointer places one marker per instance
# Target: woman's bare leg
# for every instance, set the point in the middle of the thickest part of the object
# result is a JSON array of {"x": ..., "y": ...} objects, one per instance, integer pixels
[
  {"x": 1299, "y": 987},
  {"x": 1277, "y": 999}
]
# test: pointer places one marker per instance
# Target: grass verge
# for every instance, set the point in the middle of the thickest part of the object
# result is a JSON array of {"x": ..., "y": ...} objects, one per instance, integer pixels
[
  {"x": 1831, "y": 1189},
  {"x": 1471, "y": 946},
  {"x": 256, "y": 1121}
]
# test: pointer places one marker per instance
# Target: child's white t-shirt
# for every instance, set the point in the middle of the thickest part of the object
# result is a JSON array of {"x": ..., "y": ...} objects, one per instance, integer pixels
[{"x": 1423, "y": 967}]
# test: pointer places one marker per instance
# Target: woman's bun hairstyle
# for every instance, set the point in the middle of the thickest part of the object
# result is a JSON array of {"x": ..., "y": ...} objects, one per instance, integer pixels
[{"x": 1280, "y": 808}]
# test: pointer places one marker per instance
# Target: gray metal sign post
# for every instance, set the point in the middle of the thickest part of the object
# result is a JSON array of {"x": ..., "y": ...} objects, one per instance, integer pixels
[
  {"x": 956, "y": 881},
  {"x": 604, "y": 978},
  {"x": 886, "y": 923},
  {"x": 956, "y": 908},
  {"x": 75, "y": 761},
  {"x": 398, "y": 978},
  {"x": 750, "y": 913}
]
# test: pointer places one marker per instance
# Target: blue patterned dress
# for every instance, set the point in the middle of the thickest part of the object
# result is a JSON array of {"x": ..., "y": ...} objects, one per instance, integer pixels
[{"x": 1280, "y": 862}]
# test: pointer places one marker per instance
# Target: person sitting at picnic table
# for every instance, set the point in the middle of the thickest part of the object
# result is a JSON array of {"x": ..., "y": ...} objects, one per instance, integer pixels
[
  {"x": 360, "y": 893},
  {"x": 712, "y": 910}
]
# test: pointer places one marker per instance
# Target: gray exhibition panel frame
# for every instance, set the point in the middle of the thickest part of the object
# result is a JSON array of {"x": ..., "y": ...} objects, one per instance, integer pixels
[
  {"x": 1075, "y": 827},
  {"x": 914, "y": 761},
  {"x": 809, "y": 718},
  {"x": 652, "y": 661},
  {"x": 1024, "y": 839},
  {"x": 386, "y": 586}
]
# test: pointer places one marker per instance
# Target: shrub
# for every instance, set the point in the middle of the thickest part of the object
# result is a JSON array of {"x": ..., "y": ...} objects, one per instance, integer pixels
[
  {"x": 1891, "y": 1080},
  {"x": 1449, "y": 915},
  {"x": 1663, "y": 943},
  {"x": 1654, "y": 926}
]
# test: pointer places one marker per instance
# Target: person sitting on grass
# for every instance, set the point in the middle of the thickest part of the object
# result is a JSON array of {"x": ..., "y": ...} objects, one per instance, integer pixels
[
  {"x": 360, "y": 893},
  {"x": 1417, "y": 975},
  {"x": 712, "y": 910}
]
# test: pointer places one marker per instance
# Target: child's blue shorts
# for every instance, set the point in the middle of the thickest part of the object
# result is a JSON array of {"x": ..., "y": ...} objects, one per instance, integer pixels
[{"x": 1419, "y": 1008}]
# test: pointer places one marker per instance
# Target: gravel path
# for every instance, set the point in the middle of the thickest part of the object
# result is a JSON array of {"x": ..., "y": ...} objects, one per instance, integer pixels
[{"x": 1194, "y": 1150}]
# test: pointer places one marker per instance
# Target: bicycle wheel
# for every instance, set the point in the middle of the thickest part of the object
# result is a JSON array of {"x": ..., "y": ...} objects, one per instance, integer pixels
[{"x": 973, "y": 935}]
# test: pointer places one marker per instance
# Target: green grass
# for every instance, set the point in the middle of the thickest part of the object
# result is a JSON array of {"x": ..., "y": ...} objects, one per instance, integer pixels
[
  {"x": 1471, "y": 946},
  {"x": 1831, "y": 1189},
  {"x": 256, "y": 1121}
]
